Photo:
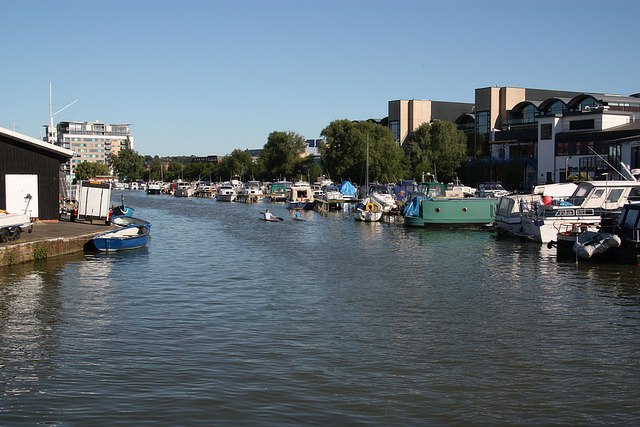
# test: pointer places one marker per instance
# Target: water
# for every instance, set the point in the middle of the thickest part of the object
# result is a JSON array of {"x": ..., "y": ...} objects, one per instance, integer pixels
[{"x": 228, "y": 320}]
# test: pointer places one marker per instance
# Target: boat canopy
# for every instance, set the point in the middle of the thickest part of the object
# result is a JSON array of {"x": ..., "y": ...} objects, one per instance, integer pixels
[
  {"x": 347, "y": 189},
  {"x": 413, "y": 207}
]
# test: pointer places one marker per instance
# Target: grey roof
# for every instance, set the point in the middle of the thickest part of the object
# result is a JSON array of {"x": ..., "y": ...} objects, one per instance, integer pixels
[{"x": 35, "y": 142}]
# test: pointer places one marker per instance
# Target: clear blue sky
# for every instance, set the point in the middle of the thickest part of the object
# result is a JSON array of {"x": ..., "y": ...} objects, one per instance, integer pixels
[{"x": 205, "y": 77}]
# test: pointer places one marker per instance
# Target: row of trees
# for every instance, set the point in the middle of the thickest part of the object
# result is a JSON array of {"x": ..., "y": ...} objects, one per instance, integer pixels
[{"x": 437, "y": 148}]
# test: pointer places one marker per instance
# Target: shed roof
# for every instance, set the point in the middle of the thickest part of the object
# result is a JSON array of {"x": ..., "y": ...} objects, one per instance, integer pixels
[{"x": 35, "y": 142}]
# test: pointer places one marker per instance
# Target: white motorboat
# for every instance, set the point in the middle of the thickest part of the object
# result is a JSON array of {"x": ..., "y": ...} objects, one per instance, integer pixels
[
  {"x": 155, "y": 187},
  {"x": 587, "y": 205},
  {"x": 250, "y": 192},
  {"x": 512, "y": 207},
  {"x": 300, "y": 196},
  {"x": 368, "y": 210},
  {"x": 226, "y": 192},
  {"x": 184, "y": 190},
  {"x": 381, "y": 194}
]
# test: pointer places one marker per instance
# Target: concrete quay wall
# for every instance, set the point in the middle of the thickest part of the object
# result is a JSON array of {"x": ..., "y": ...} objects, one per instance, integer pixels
[{"x": 49, "y": 240}]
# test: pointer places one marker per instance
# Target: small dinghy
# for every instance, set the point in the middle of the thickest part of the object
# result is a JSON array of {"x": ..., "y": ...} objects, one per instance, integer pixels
[{"x": 131, "y": 237}]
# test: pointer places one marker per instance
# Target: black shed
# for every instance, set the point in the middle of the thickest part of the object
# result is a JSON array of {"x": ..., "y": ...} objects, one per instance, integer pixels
[{"x": 30, "y": 175}]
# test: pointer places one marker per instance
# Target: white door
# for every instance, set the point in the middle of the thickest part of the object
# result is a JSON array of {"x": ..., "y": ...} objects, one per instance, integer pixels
[{"x": 22, "y": 194}]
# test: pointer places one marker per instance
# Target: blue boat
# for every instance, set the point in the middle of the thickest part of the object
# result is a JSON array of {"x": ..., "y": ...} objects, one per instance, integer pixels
[
  {"x": 131, "y": 237},
  {"x": 126, "y": 221},
  {"x": 122, "y": 210}
]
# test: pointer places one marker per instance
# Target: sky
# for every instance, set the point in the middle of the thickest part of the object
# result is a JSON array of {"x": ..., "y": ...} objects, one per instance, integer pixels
[{"x": 205, "y": 77}]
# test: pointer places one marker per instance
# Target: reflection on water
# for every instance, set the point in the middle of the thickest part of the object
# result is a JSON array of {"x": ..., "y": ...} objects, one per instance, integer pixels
[{"x": 227, "y": 319}]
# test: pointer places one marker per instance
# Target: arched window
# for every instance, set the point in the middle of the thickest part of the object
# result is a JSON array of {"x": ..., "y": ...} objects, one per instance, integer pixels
[
  {"x": 557, "y": 107},
  {"x": 587, "y": 104},
  {"x": 529, "y": 114}
]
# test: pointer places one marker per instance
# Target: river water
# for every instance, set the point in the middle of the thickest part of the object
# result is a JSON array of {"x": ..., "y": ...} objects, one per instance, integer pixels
[{"x": 228, "y": 320}]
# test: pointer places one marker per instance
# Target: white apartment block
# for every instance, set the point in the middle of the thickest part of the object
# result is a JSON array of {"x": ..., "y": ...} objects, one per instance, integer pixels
[{"x": 92, "y": 142}]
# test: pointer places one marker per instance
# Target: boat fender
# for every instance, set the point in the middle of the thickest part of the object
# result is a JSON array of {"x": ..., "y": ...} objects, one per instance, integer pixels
[{"x": 614, "y": 241}]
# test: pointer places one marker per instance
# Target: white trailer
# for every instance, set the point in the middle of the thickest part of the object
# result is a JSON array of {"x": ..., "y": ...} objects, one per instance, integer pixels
[{"x": 94, "y": 200}]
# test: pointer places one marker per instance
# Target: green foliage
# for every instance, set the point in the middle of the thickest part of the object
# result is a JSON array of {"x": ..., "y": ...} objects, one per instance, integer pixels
[
  {"x": 282, "y": 155},
  {"x": 238, "y": 163},
  {"x": 344, "y": 153},
  {"x": 156, "y": 172},
  {"x": 128, "y": 165},
  {"x": 195, "y": 171},
  {"x": 437, "y": 148},
  {"x": 40, "y": 252},
  {"x": 86, "y": 170}
]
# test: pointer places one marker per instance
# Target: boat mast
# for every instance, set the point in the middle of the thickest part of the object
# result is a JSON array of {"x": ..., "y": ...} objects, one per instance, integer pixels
[{"x": 366, "y": 182}]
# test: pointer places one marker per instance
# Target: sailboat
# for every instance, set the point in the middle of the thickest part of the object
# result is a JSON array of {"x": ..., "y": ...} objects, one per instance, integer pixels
[{"x": 368, "y": 210}]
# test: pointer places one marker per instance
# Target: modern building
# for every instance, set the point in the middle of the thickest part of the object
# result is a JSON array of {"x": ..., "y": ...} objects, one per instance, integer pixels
[
  {"x": 91, "y": 141},
  {"x": 556, "y": 134},
  {"x": 406, "y": 116},
  {"x": 30, "y": 175}
]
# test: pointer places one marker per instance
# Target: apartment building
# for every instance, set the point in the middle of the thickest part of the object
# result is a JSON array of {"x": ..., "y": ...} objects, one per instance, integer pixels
[{"x": 92, "y": 142}]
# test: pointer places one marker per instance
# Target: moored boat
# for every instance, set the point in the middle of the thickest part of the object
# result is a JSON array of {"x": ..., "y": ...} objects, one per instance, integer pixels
[
  {"x": 250, "y": 192},
  {"x": 587, "y": 205},
  {"x": 618, "y": 242},
  {"x": 226, "y": 192},
  {"x": 184, "y": 190},
  {"x": 131, "y": 237},
  {"x": 300, "y": 196},
  {"x": 512, "y": 207},
  {"x": 432, "y": 208},
  {"x": 383, "y": 196},
  {"x": 278, "y": 191},
  {"x": 155, "y": 187},
  {"x": 126, "y": 221},
  {"x": 452, "y": 212},
  {"x": 368, "y": 210}
]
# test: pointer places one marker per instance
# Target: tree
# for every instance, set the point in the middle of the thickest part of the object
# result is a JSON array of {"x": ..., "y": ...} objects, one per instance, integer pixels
[
  {"x": 128, "y": 165},
  {"x": 195, "y": 171},
  {"x": 86, "y": 170},
  {"x": 156, "y": 172},
  {"x": 344, "y": 153},
  {"x": 282, "y": 154},
  {"x": 239, "y": 163},
  {"x": 438, "y": 148}
]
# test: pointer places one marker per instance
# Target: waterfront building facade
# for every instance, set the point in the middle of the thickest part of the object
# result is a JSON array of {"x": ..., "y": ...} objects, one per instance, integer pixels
[
  {"x": 30, "y": 177},
  {"x": 92, "y": 142},
  {"x": 405, "y": 116},
  {"x": 557, "y": 134}
]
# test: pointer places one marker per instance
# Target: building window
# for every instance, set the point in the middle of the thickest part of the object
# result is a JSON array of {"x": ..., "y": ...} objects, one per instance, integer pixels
[
  {"x": 562, "y": 148},
  {"x": 529, "y": 114},
  {"x": 482, "y": 122},
  {"x": 556, "y": 108},
  {"x": 614, "y": 154},
  {"x": 546, "y": 131},
  {"x": 581, "y": 124},
  {"x": 394, "y": 127}
]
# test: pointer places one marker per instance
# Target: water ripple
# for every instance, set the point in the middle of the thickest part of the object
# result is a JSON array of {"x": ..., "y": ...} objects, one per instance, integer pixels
[{"x": 225, "y": 319}]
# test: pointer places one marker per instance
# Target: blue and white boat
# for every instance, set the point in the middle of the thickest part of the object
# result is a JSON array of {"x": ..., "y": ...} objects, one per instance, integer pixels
[
  {"x": 126, "y": 221},
  {"x": 132, "y": 237},
  {"x": 122, "y": 210}
]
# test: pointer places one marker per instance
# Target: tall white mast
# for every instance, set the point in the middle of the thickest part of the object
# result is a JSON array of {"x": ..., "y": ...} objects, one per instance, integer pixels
[
  {"x": 50, "y": 139},
  {"x": 52, "y": 132}
]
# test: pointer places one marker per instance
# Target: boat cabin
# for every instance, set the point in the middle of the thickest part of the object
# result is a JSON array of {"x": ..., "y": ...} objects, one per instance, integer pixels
[{"x": 608, "y": 195}]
